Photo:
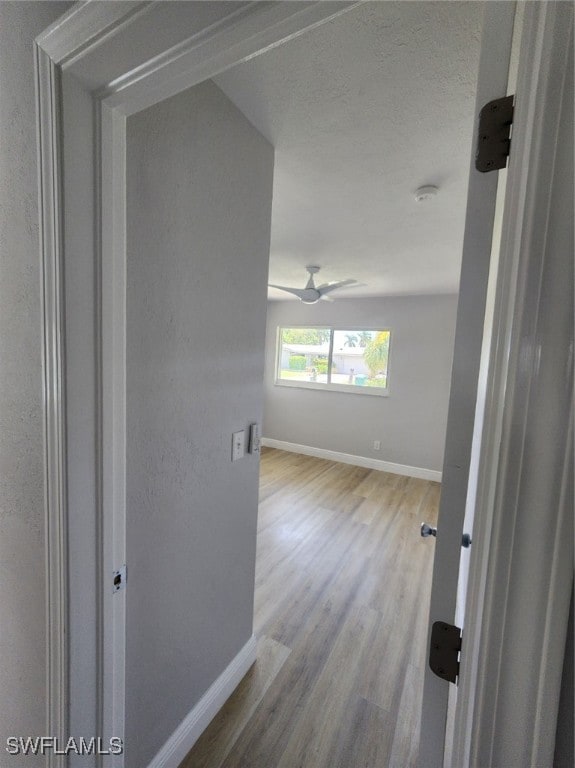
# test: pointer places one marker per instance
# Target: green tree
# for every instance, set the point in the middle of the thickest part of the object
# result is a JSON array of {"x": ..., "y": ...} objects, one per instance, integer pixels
[
  {"x": 305, "y": 335},
  {"x": 350, "y": 340},
  {"x": 364, "y": 338},
  {"x": 377, "y": 352},
  {"x": 296, "y": 363}
]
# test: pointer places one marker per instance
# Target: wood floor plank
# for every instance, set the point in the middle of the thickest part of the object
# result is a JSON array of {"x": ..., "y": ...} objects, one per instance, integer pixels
[
  {"x": 340, "y": 607},
  {"x": 366, "y": 510},
  {"x": 405, "y": 747},
  {"x": 266, "y": 737},
  {"x": 364, "y": 738},
  {"x": 218, "y": 739},
  {"x": 314, "y": 735}
]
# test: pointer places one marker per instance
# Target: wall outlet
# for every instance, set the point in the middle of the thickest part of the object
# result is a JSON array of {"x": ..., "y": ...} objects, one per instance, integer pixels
[
  {"x": 377, "y": 445},
  {"x": 238, "y": 445}
]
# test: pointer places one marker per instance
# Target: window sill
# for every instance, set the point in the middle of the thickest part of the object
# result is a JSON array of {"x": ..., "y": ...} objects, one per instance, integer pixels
[{"x": 348, "y": 389}]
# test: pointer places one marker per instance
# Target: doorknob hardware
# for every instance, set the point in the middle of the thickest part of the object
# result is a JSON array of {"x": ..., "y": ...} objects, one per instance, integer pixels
[{"x": 428, "y": 530}]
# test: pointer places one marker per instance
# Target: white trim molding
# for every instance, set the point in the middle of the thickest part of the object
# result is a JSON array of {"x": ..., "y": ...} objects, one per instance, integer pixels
[
  {"x": 53, "y": 363},
  {"x": 194, "y": 724},
  {"x": 251, "y": 29},
  {"x": 358, "y": 461},
  {"x": 522, "y": 565}
]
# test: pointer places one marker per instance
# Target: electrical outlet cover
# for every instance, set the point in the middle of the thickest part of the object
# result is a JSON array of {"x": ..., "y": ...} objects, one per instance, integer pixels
[{"x": 238, "y": 445}]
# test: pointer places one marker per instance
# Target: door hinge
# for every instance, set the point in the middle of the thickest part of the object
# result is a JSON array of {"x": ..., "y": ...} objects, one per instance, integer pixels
[
  {"x": 493, "y": 136},
  {"x": 444, "y": 650},
  {"x": 119, "y": 579}
]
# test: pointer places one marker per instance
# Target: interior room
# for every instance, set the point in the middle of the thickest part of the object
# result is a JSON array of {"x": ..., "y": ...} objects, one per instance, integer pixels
[{"x": 362, "y": 112}]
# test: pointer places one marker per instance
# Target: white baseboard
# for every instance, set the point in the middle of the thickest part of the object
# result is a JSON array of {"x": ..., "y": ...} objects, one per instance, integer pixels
[
  {"x": 358, "y": 461},
  {"x": 195, "y": 723}
]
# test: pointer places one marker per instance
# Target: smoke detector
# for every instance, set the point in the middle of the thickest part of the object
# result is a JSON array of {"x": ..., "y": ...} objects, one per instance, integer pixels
[{"x": 425, "y": 193}]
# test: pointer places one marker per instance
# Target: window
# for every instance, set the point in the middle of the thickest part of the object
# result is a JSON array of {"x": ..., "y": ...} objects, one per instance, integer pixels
[{"x": 334, "y": 358}]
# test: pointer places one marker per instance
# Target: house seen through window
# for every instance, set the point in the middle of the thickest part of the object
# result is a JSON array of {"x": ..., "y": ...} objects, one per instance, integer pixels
[{"x": 334, "y": 358}]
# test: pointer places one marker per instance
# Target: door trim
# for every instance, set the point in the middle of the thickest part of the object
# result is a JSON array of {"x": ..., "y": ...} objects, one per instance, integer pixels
[
  {"x": 82, "y": 100},
  {"x": 53, "y": 362},
  {"x": 497, "y": 535}
]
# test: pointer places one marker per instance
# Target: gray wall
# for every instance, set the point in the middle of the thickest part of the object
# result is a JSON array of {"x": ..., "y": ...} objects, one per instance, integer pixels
[
  {"x": 22, "y": 562},
  {"x": 411, "y": 421},
  {"x": 199, "y": 211}
]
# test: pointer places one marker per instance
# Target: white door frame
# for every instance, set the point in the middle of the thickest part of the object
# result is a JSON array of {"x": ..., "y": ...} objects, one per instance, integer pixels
[
  {"x": 504, "y": 523},
  {"x": 505, "y": 526},
  {"x": 501, "y": 651},
  {"x": 94, "y": 68}
]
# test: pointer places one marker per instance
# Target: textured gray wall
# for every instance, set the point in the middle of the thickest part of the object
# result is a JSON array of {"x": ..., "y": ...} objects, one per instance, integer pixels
[
  {"x": 411, "y": 421},
  {"x": 22, "y": 562},
  {"x": 199, "y": 211}
]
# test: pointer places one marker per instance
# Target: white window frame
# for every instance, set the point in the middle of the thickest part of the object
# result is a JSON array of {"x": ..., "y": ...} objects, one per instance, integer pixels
[{"x": 349, "y": 389}]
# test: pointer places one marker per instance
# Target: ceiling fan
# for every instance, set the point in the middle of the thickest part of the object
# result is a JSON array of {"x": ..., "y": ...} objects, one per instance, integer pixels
[{"x": 310, "y": 294}]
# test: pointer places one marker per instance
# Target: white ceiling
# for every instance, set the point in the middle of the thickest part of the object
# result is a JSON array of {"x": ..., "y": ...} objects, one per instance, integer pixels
[{"x": 362, "y": 111}]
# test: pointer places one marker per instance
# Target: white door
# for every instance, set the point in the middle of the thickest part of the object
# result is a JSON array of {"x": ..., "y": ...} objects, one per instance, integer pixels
[{"x": 465, "y": 412}]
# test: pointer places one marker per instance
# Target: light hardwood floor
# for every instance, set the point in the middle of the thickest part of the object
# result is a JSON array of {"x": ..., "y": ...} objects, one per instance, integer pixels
[{"x": 341, "y": 601}]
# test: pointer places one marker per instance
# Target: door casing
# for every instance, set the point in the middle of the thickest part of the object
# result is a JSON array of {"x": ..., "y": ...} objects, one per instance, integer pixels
[
  {"x": 506, "y": 526},
  {"x": 504, "y": 523}
]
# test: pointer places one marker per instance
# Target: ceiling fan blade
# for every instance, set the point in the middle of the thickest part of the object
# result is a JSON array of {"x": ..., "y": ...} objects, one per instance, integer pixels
[
  {"x": 299, "y": 292},
  {"x": 310, "y": 294},
  {"x": 323, "y": 289}
]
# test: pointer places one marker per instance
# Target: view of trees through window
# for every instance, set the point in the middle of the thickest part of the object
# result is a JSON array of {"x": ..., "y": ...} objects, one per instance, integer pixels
[{"x": 334, "y": 357}]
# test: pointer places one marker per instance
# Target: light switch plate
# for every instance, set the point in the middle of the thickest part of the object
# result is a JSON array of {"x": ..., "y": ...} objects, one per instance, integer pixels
[
  {"x": 254, "y": 442},
  {"x": 238, "y": 445}
]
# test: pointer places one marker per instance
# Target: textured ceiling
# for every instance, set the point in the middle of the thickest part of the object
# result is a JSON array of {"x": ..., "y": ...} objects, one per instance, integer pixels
[{"x": 362, "y": 111}]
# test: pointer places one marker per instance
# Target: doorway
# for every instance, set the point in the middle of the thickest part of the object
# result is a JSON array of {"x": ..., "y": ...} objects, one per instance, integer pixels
[{"x": 110, "y": 127}]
